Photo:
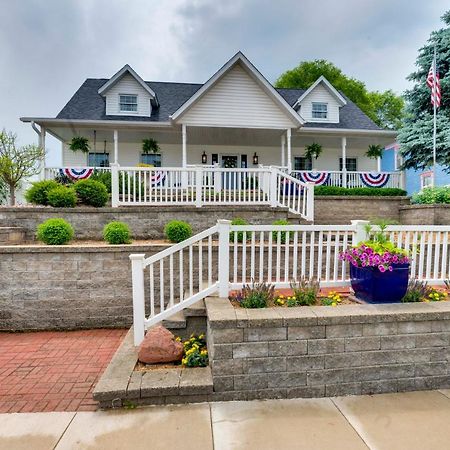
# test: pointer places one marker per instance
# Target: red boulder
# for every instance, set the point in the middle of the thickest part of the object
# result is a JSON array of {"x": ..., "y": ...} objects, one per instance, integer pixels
[{"x": 160, "y": 346}]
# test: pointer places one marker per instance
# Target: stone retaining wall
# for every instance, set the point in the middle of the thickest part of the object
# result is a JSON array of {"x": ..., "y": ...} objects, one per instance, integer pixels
[
  {"x": 337, "y": 209},
  {"x": 148, "y": 222},
  {"x": 145, "y": 222},
  {"x": 425, "y": 214},
  {"x": 325, "y": 351}
]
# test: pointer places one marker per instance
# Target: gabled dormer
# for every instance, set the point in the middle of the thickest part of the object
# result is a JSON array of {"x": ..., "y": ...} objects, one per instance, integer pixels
[
  {"x": 127, "y": 94},
  {"x": 320, "y": 102}
]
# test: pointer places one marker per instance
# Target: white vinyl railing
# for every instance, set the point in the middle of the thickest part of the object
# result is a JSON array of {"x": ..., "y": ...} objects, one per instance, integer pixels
[
  {"x": 50, "y": 173},
  {"x": 210, "y": 185},
  {"x": 351, "y": 179},
  {"x": 226, "y": 256}
]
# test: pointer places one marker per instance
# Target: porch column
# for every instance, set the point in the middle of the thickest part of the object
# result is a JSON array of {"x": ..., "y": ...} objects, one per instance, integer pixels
[
  {"x": 344, "y": 158},
  {"x": 116, "y": 147},
  {"x": 42, "y": 145},
  {"x": 289, "y": 157},
  {"x": 283, "y": 146},
  {"x": 184, "y": 145},
  {"x": 184, "y": 174}
]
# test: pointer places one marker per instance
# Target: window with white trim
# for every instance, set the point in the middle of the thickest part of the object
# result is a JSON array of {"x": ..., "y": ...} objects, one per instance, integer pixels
[
  {"x": 152, "y": 159},
  {"x": 319, "y": 110},
  {"x": 302, "y": 163},
  {"x": 98, "y": 160},
  {"x": 128, "y": 103},
  {"x": 350, "y": 164}
]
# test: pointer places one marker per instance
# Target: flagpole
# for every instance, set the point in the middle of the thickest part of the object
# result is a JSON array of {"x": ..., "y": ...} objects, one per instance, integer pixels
[{"x": 434, "y": 122}]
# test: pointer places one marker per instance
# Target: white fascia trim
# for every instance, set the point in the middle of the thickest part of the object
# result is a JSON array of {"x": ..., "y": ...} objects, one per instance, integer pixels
[
  {"x": 239, "y": 56},
  {"x": 348, "y": 132},
  {"x": 118, "y": 75},
  {"x": 103, "y": 123},
  {"x": 328, "y": 85}
]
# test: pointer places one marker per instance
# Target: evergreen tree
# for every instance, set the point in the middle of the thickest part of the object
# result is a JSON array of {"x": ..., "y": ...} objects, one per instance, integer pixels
[{"x": 416, "y": 134}]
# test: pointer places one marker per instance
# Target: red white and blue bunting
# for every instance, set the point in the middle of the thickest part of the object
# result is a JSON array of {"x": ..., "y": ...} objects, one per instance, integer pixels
[
  {"x": 75, "y": 173},
  {"x": 318, "y": 178},
  {"x": 373, "y": 179},
  {"x": 157, "y": 178}
]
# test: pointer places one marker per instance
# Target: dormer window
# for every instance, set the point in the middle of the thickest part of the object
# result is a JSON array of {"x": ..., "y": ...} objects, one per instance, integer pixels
[
  {"x": 127, "y": 103},
  {"x": 319, "y": 110}
]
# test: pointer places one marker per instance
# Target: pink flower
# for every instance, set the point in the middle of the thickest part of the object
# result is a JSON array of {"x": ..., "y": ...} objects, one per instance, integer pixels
[{"x": 381, "y": 268}]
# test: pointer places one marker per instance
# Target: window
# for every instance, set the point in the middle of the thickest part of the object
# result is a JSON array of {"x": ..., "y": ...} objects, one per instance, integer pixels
[
  {"x": 152, "y": 159},
  {"x": 128, "y": 103},
  {"x": 98, "y": 160},
  {"x": 350, "y": 164},
  {"x": 302, "y": 163},
  {"x": 319, "y": 110}
]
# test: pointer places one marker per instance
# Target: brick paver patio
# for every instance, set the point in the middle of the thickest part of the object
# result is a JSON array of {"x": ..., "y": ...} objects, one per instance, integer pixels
[{"x": 53, "y": 371}]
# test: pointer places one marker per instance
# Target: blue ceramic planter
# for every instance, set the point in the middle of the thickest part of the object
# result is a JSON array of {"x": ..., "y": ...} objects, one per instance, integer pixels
[{"x": 373, "y": 286}]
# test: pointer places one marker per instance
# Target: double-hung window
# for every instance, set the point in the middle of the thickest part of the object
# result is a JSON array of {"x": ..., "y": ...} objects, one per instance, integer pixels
[
  {"x": 350, "y": 164},
  {"x": 152, "y": 159},
  {"x": 319, "y": 110},
  {"x": 98, "y": 160},
  {"x": 302, "y": 163},
  {"x": 128, "y": 103}
]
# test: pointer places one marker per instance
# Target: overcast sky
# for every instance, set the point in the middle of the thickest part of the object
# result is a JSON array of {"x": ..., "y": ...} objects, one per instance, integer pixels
[{"x": 48, "y": 47}]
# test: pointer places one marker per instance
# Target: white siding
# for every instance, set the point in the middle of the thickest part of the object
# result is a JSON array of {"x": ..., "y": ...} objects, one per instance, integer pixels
[
  {"x": 129, "y": 155},
  {"x": 322, "y": 95},
  {"x": 128, "y": 85},
  {"x": 238, "y": 101}
]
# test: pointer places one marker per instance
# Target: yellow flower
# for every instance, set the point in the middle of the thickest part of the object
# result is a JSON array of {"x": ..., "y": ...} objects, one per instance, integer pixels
[
  {"x": 426, "y": 300},
  {"x": 178, "y": 339},
  {"x": 334, "y": 304},
  {"x": 202, "y": 336}
]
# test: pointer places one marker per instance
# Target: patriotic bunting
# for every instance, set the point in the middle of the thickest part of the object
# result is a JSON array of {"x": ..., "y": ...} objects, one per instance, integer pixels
[
  {"x": 76, "y": 174},
  {"x": 373, "y": 179},
  {"x": 318, "y": 178}
]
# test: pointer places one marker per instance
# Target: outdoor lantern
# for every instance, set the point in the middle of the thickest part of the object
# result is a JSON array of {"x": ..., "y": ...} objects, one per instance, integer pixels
[
  {"x": 204, "y": 158},
  {"x": 255, "y": 159}
]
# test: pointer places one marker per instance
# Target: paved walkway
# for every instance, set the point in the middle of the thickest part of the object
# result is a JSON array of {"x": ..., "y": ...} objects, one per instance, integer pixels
[
  {"x": 409, "y": 421},
  {"x": 53, "y": 371}
]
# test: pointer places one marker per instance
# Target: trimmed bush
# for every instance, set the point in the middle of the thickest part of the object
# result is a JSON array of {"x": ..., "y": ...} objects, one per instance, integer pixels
[
  {"x": 177, "y": 231},
  {"x": 240, "y": 234},
  {"x": 62, "y": 197},
  {"x": 38, "y": 191},
  {"x": 432, "y": 195},
  {"x": 91, "y": 192},
  {"x": 282, "y": 233},
  {"x": 116, "y": 233},
  {"x": 365, "y": 191},
  {"x": 103, "y": 177},
  {"x": 55, "y": 232}
]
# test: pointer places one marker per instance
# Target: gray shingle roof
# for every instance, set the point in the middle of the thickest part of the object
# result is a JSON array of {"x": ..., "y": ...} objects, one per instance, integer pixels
[{"x": 87, "y": 104}]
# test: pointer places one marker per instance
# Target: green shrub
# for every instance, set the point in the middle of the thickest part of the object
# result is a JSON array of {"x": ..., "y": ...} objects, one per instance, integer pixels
[
  {"x": 432, "y": 195},
  {"x": 281, "y": 233},
  {"x": 38, "y": 191},
  {"x": 417, "y": 291},
  {"x": 55, "y": 232},
  {"x": 256, "y": 295},
  {"x": 62, "y": 197},
  {"x": 177, "y": 231},
  {"x": 116, "y": 233},
  {"x": 102, "y": 177},
  {"x": 365, "y": 191},
  {"x": 91, "y": 192},
  {"x": 305, "y": 292},
  {"x": 239, "y": 234}
]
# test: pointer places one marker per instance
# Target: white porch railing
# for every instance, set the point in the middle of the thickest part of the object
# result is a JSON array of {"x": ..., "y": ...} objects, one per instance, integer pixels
[
  {"x": 225, "y": 256},
  {"x": 351, "y": 179},
  {"x": 210, "y": 185}
]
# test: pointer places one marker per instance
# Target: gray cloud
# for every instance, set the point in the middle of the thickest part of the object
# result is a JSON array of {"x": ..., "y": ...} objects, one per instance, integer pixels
[{"x": 49, "y": 47}]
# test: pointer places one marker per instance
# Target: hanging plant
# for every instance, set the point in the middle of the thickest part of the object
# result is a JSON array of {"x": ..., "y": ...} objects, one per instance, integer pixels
[
  {"x": 150, "y": 146},
  {"x": 313, "y": 150},
  {"x": 374, "y": 151},
  {"x": 79, "y": 144}
]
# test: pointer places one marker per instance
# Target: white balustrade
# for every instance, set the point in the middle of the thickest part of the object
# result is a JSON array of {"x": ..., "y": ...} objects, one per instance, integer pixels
[{"x": 226, "y": 256}]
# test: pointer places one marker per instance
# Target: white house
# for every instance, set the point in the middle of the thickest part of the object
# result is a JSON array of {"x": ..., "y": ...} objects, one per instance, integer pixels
[{"x": 234, "y": 116}]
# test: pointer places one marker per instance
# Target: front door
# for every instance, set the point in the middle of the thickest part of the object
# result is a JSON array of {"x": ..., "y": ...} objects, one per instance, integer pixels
[{"x": 228, "y": 178}]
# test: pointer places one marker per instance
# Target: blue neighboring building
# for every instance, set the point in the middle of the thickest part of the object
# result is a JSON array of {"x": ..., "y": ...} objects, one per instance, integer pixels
[{"x": 415, "y": 180}]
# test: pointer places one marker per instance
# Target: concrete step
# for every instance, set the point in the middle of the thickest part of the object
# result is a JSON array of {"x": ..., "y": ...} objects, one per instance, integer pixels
[
  {"x": 196, "y": 310},
  {"x": 175, "y": 322}
]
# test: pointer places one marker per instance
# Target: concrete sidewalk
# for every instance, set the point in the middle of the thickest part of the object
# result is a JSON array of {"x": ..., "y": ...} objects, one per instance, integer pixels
[{"x": 415, "y": 420}]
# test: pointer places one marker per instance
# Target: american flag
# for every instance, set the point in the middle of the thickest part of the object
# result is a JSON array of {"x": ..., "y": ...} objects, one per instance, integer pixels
[{"x": 434, "y": 84}]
